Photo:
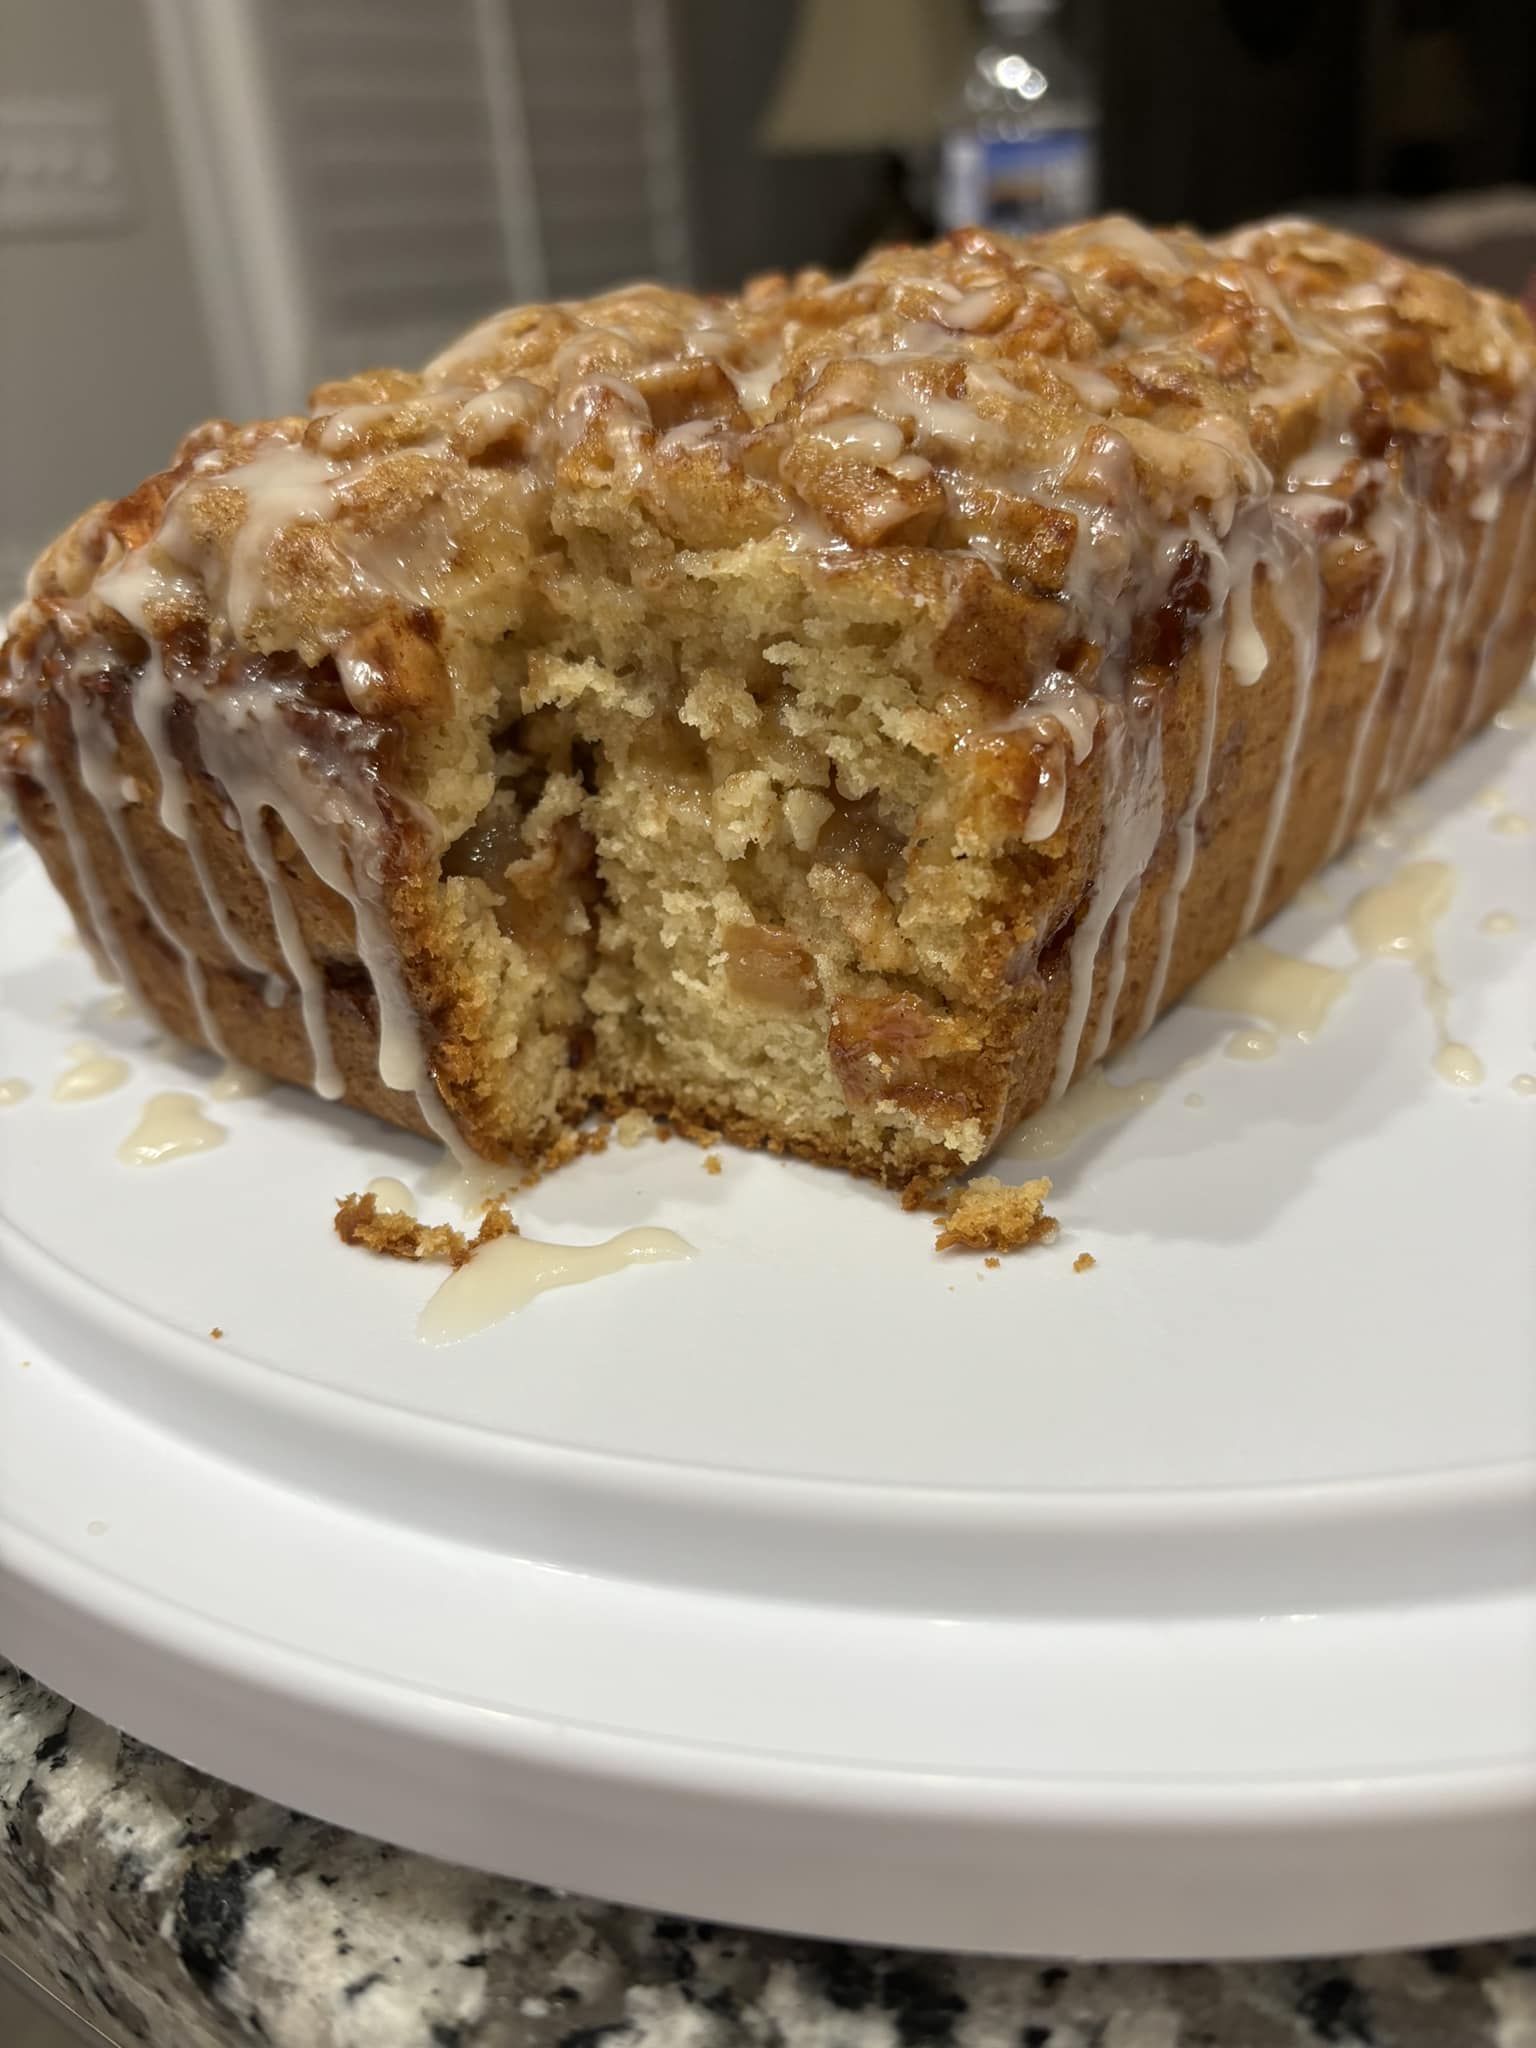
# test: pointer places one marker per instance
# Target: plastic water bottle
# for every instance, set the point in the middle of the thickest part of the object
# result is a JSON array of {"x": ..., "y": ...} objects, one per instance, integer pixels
[{"x": 1022, "y": 148}]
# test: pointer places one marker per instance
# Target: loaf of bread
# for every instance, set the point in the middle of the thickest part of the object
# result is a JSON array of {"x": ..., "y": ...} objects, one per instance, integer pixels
[{"x": 835, "y": 715}]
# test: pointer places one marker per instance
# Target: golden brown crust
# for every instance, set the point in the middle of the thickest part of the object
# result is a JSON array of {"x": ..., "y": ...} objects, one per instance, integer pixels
[{"x": 705, "y": 1118}]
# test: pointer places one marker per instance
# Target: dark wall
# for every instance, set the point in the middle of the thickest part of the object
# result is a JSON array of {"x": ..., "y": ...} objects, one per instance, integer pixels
[
  {"x": 1214, "y": 112},
  {"x": 751, "y": 211},
  {"x": 1217, "y": 111}
]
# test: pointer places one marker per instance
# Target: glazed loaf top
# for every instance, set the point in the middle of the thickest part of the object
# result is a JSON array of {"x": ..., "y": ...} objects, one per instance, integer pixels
[
  {"x": 1115, "y": 431},
  {"x": 1053, "y": 407}
]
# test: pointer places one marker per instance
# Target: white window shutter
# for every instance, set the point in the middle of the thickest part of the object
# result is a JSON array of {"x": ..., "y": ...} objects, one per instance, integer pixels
[
  {"x": 604, "y": 156},
  {"x": 364, "y": 178}
]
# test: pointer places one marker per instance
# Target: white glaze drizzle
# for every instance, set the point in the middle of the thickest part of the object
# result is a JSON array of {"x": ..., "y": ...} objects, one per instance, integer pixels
[
  {"x": 126, "y": 588},
  {"x": 282, "y": 486},
  {"x": 1469, "y": 566},
  {"x": 1487, "y": 602},
  {"x": 95, "y": 749},
  {"x": 1515, "y": 585},
  {"x": 328, "y": 819},
  {"x": 1246, "y": 652},
  {"x": 1297, "y": 593},
  {"x": 248, "y": 750},
  {"x": 1398, "y": 584},
  {"x": 1212, "y": 658},
  {"x": 1094, "y": 389},
  {"x": 101, "y": 930},
  {"x": 325, "y": 1076},
  {"x": 1130, "y": 816},
  {"x": 1114, "y": 971},
  {"x": 973, "y": 309}
]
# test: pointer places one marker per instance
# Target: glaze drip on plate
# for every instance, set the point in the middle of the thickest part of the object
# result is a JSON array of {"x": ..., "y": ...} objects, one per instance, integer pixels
[
  {"x": 172, "y": 1126},
  {"x": 507, "y": 1275}
]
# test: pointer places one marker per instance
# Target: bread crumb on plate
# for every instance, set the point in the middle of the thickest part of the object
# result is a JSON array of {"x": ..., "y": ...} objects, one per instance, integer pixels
[
  {"x": 986, "y": 1215},
  {"x": 361, "y": 1222},
  {"x": 1083, "y": 1262}
]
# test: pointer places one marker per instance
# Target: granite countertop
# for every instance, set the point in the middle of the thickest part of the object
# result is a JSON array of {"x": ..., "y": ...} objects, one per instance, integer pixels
[{"x": 171, "y": 1909}]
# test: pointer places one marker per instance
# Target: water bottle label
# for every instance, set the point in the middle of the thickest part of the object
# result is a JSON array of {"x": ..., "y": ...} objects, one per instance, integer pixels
[{"x": 1018, "y": 185}]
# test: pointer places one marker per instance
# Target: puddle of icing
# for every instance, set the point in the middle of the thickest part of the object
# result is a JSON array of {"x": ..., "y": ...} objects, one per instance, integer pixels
[
  {"x": 1194, "y": 1099},
  {"x": 14, "y": 1090},
  {"x": 1498, "y": 924},
  {"x": 1458, "y": 1064},
  {"x": 234, "y": 1081},
  {"x": 506, "y": 1275},
  {"x": 1257, "y": 1044},
  {"x": 1088, "y": 1103},
  {"x": 1291, "y": 996},
  {"x": 93, "y": 1073},
  {"x": 1397, "y": 920},
  {"x": 1524, "y": 1084},
  {"x": 1520, "y": 716},
  {"x": 1491, "y": 799},
  {"x": 392, "y": 1194},
  {"x": 171, "y": 1127},
  {"x": 1511, "y": 825}
]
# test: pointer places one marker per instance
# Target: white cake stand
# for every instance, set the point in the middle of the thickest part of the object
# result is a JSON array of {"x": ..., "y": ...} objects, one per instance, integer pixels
[{"x": 1185, "y": 1606}]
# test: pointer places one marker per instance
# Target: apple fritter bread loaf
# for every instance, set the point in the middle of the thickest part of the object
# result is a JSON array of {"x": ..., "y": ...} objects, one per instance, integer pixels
[{"x": 836, "y": 715}]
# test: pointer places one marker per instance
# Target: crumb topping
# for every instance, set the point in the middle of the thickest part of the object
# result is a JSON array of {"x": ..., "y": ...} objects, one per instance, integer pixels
[{"x": 985, "y": 395}]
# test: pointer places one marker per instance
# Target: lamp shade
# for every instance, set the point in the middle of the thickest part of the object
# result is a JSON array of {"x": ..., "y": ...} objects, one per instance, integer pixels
[{"x": 868, "y": 74}]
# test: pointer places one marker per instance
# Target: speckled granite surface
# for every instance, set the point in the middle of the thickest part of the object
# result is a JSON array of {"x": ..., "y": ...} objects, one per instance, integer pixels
[{"x": 173, "y": 1910}]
